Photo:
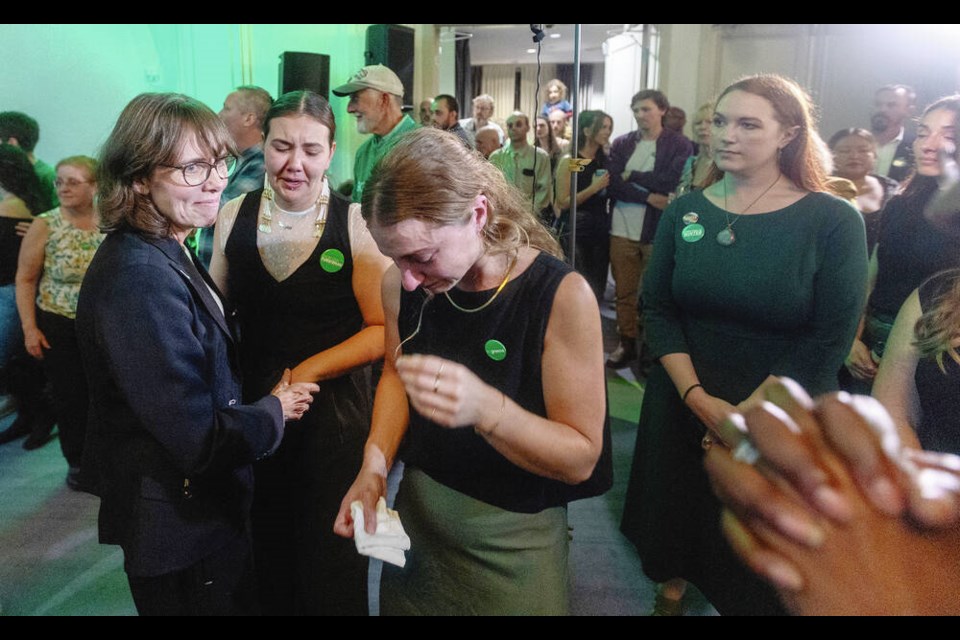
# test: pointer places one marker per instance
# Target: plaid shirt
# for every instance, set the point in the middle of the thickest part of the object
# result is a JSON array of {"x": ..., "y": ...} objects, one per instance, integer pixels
[{"x": 247, "y": 177}]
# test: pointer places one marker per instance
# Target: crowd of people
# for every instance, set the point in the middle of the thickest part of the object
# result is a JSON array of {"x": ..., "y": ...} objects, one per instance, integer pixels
[{"x": 236, "y": 352}]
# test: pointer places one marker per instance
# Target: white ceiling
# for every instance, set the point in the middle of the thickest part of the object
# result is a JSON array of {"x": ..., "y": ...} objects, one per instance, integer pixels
[{"x": 508, "y": 43}]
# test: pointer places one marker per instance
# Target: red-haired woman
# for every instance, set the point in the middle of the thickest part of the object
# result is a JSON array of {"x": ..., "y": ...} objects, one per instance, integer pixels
[{"x": 760, "y": 274}]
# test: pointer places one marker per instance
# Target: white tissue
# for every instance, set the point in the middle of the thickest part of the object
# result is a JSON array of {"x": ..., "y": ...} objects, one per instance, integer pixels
[{"x": 390, "y": 540}]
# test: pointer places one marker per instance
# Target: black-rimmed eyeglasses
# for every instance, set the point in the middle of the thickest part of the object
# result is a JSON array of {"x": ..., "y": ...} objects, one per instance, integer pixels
[{"x": 196, "y": 173}]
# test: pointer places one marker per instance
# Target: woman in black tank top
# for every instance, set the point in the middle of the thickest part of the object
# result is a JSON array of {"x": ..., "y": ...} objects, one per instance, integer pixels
[
  {"x": 296, "y": 260},
  {"x": 502, "y": 365}
]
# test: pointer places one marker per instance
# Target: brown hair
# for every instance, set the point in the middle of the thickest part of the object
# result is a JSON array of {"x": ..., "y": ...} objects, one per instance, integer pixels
[
  {"x": 917, "y": 185},
  {"x": 431, "y": 176},
  {"x": 590, "y": 123},
  {"x": 302, "y": 103},
  {"x": 149, "y": 133},
  {"x": 552, "y": 148},
  {"x": 659, "y": 98},
  {"x": 800, "y": 159}
]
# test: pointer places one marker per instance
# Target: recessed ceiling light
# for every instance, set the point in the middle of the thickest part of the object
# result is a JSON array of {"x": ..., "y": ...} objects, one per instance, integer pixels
[
  {"x": 531, "y": 50},
  {"x": 554, "y": 35}
]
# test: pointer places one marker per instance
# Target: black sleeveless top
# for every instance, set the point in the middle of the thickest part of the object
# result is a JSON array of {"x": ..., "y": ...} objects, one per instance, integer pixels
[
  {"x": 593, "y": 216},
  {"x": 938, "y": 392},
  {"x": 503, "y": 345},
  {"x": 910, "y": 248},
  {"x": 284, "y": 323},
  {"x": 9, "y": 249}
]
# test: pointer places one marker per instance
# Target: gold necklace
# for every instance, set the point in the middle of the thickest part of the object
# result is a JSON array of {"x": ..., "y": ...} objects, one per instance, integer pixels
[
  {"x": 506, "y": 278},
  {"x": 726, "y": 237},
  {"x": 266, "y": 212}
]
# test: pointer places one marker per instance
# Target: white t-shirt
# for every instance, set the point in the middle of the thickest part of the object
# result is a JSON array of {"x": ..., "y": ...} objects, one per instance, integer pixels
[{"x": 627, "y": 221}]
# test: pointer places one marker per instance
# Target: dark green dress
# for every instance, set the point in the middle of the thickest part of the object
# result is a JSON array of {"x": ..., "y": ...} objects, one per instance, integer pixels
[{"x": 784, "y": 299}]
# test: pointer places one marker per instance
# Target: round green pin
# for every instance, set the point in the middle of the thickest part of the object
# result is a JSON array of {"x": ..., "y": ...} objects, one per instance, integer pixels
[
  {"x": 331, "y": 260},
  {"x": 692, "y": 232},
  {"x": 495, "y": 350}
]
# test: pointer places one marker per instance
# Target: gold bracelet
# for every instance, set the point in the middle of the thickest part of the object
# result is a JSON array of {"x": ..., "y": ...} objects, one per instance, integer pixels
[{"x": 503, "y": 402}]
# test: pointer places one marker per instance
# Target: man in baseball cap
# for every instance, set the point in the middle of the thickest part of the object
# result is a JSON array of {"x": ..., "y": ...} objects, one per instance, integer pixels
[{"x": 376, "y": 100}]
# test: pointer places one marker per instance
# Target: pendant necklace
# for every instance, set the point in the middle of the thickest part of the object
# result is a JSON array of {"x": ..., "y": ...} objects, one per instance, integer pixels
[
  {"x": 486, "y": 304},
  {"x": 726, "y": 236}
]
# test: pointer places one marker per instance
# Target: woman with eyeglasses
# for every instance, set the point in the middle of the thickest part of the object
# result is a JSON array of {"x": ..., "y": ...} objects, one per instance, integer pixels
[
  {"x": 169, "y": 436},
  {"x": 297, "y": 260},
  {"x": 54, "y": 257}
]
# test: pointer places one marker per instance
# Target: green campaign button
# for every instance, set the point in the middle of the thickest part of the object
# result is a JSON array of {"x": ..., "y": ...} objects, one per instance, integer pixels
[
  {"x": 332, "y": 260},
  {"x": 495, "y": 350},
  {"x": 692, "y": 232}
]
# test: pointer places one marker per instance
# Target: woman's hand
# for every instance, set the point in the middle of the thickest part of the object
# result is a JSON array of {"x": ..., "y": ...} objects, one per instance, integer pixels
[
  {"x": 710, "y": 410},
  {"x": 23, "y": 227},
  {"x": 599, "y": 183},
  {"x": 370, "y": 485},
  {"x": 447, "y": 393},
  {"x": 860, "y": 363},
  {"x": 822, "y": 501},
  {"x": 295, "y": 397},
  {"x": 35, "y": 342}
]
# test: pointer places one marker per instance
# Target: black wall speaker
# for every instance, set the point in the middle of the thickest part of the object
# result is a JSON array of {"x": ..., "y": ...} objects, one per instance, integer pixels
[
  {"x": 392, "y": 46},
  {"x": 304, "y": 71}
]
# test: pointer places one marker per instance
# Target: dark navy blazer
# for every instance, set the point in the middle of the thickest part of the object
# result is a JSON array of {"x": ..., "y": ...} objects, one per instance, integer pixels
[{"x": 170, "y": 441}]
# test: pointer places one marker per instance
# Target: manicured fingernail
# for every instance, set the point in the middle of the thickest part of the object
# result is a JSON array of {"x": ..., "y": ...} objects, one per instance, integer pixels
[
  {"x": 832, "y": 504},
  {"x": 884, "y": 496},
  {"x": 784, "y": 575},
  {"x": 803, "y": 531}
]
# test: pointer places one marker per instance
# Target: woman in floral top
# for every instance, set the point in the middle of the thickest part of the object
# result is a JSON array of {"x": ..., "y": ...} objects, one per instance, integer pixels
[{"x": 54, "y": 257}]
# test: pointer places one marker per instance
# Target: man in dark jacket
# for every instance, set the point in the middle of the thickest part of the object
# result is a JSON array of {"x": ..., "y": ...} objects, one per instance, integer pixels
[{"x": 645, "y": 167}]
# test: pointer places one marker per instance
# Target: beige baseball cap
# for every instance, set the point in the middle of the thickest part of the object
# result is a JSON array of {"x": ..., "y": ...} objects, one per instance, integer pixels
[{"x": 374, "y": 76}]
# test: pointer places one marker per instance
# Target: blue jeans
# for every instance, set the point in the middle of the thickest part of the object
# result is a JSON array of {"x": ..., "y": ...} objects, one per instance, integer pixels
[{"x": 11, "y": 335}]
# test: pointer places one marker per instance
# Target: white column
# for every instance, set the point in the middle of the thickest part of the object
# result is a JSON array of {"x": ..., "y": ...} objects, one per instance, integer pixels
[{"x": 447, "y": 61}]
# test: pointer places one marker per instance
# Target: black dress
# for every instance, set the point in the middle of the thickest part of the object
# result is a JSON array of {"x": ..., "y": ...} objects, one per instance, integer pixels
[
  {"x": 909, "y": 250},
  {"x": 592, "y": 255},
  {"x": 303, "y": 567}
]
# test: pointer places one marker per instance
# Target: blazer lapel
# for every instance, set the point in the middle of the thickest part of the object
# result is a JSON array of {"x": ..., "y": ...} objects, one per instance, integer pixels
[{"x": 195, "y": 280}]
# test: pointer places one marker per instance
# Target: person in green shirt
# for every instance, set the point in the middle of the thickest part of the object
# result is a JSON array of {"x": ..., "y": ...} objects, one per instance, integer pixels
[
  {"x": 19, "y": 129},
  {"x": 376, "y": 100}
]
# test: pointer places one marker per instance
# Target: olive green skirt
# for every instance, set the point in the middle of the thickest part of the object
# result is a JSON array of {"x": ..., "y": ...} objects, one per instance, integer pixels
[{"x": 468, "y": 557}]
